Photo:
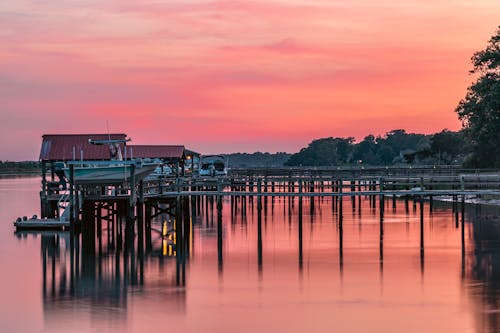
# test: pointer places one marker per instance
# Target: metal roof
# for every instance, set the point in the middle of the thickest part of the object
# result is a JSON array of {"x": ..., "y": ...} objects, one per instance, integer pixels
[
  {"x": 65, "y": 147},
  {"x": 156, "y": 151}
]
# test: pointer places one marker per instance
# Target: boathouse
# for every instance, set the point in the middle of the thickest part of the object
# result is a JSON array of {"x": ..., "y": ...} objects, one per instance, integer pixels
[
  {"x": 57, "y": 148},
  {"x": 67, "y": 147}
]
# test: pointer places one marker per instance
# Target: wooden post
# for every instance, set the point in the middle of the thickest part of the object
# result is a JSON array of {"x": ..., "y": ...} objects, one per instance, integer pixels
[
  {"x": 133, "y": 194},
  {"x": 140, "y": 218},
  {"x": 463, "y": 225},
  {"x": 353, "y": 198},
  {"x": 148, "y": 241},
  {"x": 340, "y": 203},
  {"x": 421, "y": 225},
  {"x": 71, "y": 196},
  {"x": 334, "y": 198},
  {"x": 219, "y": 234},
  {"x": 381, "y": 206},
  {"x": 44, "y": 193}
]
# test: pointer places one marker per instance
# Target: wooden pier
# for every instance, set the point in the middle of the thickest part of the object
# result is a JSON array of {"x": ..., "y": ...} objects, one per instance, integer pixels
[
  {"x": 131, "y": 196},
  {"x": 134, "y": 220}
]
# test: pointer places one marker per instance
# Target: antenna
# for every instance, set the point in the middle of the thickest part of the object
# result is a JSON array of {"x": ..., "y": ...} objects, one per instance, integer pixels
[{"x": 107, "y": 127}]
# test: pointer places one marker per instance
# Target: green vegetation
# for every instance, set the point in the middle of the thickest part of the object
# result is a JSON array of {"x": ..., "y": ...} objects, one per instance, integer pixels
[
  {"x": 479, "y": 111},
  {"x": 396, "y": 147},
  {"x": 323, "y": 152},
  {"x": 8, "y": 167},
  {"x": 257, "y": 159}
]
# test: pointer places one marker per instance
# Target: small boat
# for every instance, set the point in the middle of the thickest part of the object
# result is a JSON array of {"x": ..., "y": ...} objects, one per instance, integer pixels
[{"x": 213, "y": 165}]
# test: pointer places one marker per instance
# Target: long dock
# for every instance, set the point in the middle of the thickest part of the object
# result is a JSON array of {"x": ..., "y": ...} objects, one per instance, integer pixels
[
  {"x": 130, "y": 197},
  {"x": 157, "y": 217}
]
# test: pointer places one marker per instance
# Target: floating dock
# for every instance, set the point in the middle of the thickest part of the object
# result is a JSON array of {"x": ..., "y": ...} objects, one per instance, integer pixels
[{"x": 42, "y": 224}]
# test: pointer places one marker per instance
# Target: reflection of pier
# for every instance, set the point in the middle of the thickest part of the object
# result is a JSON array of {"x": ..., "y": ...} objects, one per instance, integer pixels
[
  {"x": 113, "y": 268},
  {"x": 124, "y": 223},
  {"x": 104, "y": 261}
]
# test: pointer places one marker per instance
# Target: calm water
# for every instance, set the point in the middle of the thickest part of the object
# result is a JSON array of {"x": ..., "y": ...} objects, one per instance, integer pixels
[{"x": 442, "y": 291}]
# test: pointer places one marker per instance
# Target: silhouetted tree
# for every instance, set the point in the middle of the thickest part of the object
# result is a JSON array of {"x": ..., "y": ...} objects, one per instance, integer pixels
[
  {"x": 447, "y": 146},
  {"x": 366, "y": 152},
  {"x": 479, "y": 111},
  {"x": 324, "y": 152}
]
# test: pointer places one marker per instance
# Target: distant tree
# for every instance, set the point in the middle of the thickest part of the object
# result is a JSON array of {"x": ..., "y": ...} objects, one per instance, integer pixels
[
  {"x": 366, "y": 151},
  {"x": 257, "y": 159},
  {"x": 386, "y": 155},
  {"x": 479, "y": 111},
  {"x": 399, "y": 140},
  {"x": 446, "y": 146},
  {"x": 324, "y": 152}
]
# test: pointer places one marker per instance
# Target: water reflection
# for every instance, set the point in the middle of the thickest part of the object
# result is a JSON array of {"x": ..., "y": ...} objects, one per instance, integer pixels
[
  {"x": 482, "y": 267},
  {"x": 100, "y": 267},
  {"x": 311, "y": 252}
]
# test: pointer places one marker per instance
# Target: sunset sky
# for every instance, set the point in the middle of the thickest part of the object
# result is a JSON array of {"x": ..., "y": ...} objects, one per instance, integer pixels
[{"x": 227, "y": 76}]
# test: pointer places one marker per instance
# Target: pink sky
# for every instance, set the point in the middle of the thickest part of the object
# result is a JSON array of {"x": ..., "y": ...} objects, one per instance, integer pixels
[{"x": 229, "y": 76}]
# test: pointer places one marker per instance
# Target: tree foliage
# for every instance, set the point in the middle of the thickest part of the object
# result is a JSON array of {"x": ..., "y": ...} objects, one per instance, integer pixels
[
  {"x": 257, "y": 159},
  {"x": 387, "y": 150},
  {"x": 323, "y": 152},
  {"x": 479, "y": 111}
]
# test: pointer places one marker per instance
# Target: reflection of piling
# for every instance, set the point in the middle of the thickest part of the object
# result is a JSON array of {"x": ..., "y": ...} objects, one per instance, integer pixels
[
  {"x": 259, "y": 225},
  {"x": 219, "y": 232},
  {"x": 180, "y": 243},
  {"x": 341, "y": 236},
  {"x": 300, "y": 225}
]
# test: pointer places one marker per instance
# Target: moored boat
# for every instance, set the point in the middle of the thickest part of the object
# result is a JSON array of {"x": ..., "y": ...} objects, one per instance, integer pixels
[
  {"x": 116, "y": 170},
  {"x": 213, "y": 165},
  {"x": 114, "y": 173}
]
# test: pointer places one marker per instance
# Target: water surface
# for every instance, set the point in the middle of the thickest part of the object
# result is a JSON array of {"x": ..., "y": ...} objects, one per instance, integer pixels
[{"x": 377, "y": 282}]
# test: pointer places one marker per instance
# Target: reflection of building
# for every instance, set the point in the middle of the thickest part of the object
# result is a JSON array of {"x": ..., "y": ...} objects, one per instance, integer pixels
[{"x": 101, "y": 270}]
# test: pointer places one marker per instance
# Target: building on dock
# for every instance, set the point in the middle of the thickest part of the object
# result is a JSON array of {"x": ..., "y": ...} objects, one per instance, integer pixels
[
  {"x": 59, "y": 151},
  {"x": 176, "y": 157}
]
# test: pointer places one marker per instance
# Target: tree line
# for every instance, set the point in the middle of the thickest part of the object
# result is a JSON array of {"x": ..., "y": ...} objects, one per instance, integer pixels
[{"x": 395, "y": 147}]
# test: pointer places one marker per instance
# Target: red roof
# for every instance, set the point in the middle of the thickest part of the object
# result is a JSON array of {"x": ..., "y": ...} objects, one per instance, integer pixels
[
  {"x": 156, "y": 151},
  {"x": 60, "y": 147}
]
